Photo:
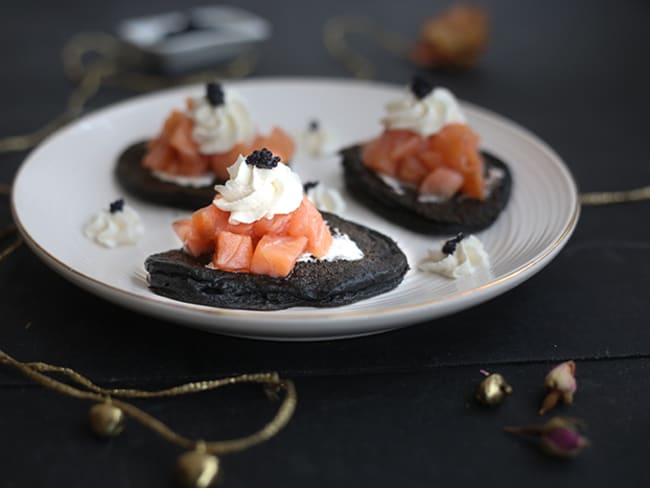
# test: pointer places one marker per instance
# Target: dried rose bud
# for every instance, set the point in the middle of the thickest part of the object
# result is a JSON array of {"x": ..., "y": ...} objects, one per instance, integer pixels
[
  {"x": 562, "y": 438},
  {"x": 493, "y": 389},
  {"x": 561, "y": 384},
  {"x": 455, "y": 38},
  {"x": 558, "y": 437}
]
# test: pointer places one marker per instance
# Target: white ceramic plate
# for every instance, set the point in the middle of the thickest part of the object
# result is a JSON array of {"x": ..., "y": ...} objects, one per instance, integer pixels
[{"x": 70, "y": 176}]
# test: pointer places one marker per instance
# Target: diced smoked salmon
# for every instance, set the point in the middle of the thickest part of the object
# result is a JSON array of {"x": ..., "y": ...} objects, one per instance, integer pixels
[
  {"x": 277, "y": 255},
  {"x": 383, "y": 153},
  {"x": 192, "y": 161},
  {"x": 376, "y": 156},
  {"x": 275, "y": 226},
  {"x": 241, "y": 228},
  {"x": 414, "y": 159},
  {"x": 412, "y": 170},
  {"x": 160, "y": 157},
  {"x": 307, "y": 221},
  {"x": 458, "y": 145},
  {"x": 174, "y": 151},
  {"x": 192, "y": 242},
  {"x": 407, "y": 145},
  {"x": 172, "y": 122},
  {"x": 454, "y": 142},
  {"x": 234, "y": 252},
  {"x": 266, "y": 246},
  {"x": 430, "y": 159},
  {"x": 442, "y": 181},
  {"x": 474, "y": 184},
  {"x": 208, "y": 221}
]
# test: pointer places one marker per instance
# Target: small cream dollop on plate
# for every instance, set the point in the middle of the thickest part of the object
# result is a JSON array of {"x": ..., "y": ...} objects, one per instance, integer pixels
[
  {"x": 458, "y": 257},
  {"x": 324, "y": 197},
  {"x": 119, "y": 225},
  {"x": 317, "y": 141}
]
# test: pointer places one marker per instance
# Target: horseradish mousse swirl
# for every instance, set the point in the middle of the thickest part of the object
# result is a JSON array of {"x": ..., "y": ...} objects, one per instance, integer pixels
[
  {"x": 253, "y": 193},
  {"x": 426, "y": 115},
  {"x": 218, "y": 128}
]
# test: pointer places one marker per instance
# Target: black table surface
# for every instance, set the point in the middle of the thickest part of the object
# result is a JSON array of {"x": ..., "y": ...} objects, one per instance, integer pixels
[{"x": 388, "y": 409}]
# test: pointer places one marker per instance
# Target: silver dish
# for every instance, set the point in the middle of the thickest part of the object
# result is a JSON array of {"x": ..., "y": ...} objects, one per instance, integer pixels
[{"x": 180, "y": 41}]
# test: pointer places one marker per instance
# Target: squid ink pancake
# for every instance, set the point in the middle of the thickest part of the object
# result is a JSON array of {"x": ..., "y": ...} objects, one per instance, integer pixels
[
  {"x": 140, "y": 182},
  {"x": 403, "y": 206},
  {"x": 178, "y": 275}
]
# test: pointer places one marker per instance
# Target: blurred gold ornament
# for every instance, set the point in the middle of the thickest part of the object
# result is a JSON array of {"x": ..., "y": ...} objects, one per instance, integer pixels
[
  {"x": 493, "y": 389},
  {"x": 106, "y": 420},
  {"x": 456, "y": 38},
  {"x": 198, "y": 469}
]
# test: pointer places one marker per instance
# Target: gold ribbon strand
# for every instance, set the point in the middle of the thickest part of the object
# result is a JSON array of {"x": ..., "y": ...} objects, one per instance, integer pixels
[
  {"x": 110, "y": 66},
  {"x": 36, "y": 371},
  {"x": 610, "y": 197}
]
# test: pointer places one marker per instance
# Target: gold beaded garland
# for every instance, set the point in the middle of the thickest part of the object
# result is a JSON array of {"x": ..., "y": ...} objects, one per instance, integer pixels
[{"x": 198, "y": 468}]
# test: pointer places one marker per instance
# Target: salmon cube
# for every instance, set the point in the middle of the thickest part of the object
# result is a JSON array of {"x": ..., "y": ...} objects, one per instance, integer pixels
[
  {"x": 430, "y": 159},
  {"x": 407, "y": 145},
  {"x": 474, "y": 184},
  {"x": 277, "y": 225},
  {"x": 171, "y": 123},
  {"x": 442, "y": 181},
  {"x": 307, "y": 221},
  {"x": 208, "y": 221},
  {"x": 193, "y": 243},
  {"x": 234, "y": 252},
  {"x": 160, "y": 156},
  {"x": 241, "y": 228},
  {"x": 277, "y": 255},
  {"x": 375, "y": 156},
  {"x": 194, "y": 163},
  {"x": 182, "y": 228},
  {"x": 411, "y": 170},
  {"x": 455, "y": 142}
]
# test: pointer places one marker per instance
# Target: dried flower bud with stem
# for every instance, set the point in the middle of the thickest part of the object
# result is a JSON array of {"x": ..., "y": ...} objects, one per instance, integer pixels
[
  {"x": 560, "y": 383},
  {"x": 559, "y": 437}
]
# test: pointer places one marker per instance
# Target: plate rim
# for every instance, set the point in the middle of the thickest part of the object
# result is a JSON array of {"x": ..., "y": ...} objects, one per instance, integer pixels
[{"x": 317, "y": 314}]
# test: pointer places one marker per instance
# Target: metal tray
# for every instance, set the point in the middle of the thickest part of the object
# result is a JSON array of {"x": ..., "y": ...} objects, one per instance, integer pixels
[{"x": 180, "y": 41}]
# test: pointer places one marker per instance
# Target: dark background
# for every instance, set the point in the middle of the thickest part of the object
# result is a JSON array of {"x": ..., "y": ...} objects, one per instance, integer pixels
[{"x": 383, "y": 410}]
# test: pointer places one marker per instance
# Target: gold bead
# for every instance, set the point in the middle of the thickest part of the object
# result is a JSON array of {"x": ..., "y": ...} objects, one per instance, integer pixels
[
  {"x": 106, "y": 420},
  {"x": 492, "y": 390},
  {"x": 197, "y": 469}
]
